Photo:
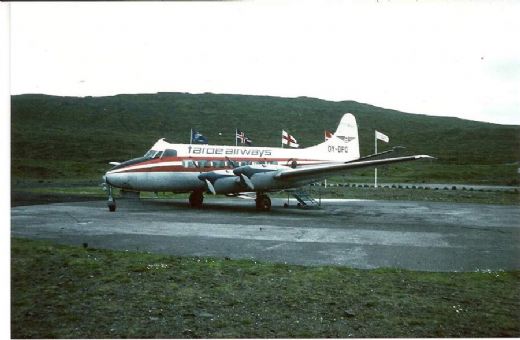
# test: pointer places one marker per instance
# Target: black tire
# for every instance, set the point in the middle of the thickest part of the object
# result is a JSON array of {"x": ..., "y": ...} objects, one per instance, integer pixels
[
  {"x": 196, "y": 199},
  {"x": 112, "y": 207},
  {"x": 263, "y": 203}
]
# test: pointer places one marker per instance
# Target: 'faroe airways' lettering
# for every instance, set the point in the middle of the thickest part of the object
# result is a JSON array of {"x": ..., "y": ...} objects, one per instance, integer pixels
[{"x": 197, "y": 150}]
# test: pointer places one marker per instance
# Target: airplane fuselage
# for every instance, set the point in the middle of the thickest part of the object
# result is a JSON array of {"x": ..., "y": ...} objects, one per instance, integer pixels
[
  {"x": 223, "y": 169},
  {"x": 180, "y": 167}
]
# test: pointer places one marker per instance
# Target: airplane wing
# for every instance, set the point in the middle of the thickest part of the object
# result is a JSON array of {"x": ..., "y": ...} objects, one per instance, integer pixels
[{"x": 328, "y": 169}]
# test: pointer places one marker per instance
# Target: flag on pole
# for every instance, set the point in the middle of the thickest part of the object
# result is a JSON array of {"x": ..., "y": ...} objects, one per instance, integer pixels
[
  {"x": 242, "y": 138},
  {"x": 289, "y": 140},
  {"x": 382, "y": 136},
  {"x": 197, "y": 137},
  {"x": 328, "y": 135}
]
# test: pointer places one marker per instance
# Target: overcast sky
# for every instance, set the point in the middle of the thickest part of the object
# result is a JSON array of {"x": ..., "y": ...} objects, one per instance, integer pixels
[{"x": 440, "y": 58}]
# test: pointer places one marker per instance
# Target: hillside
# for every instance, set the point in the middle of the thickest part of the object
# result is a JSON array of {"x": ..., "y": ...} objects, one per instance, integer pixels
[{"x": 72, "y": 137}]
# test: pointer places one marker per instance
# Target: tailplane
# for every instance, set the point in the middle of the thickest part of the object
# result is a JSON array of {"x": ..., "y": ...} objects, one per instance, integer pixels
[{"x": 343, "y": 146}]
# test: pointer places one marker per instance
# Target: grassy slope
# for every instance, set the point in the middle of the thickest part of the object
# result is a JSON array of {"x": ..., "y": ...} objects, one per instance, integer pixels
[
  {"x": 69, "y": 137},
  {"x": 60, "y": 291}
]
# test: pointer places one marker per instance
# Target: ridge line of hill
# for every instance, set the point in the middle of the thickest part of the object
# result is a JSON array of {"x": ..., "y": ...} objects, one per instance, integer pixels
[{"x": 81, "y": 134}]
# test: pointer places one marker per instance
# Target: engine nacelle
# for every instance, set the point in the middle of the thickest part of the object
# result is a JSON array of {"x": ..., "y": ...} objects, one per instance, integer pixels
[{"x": 225, "y": 185}]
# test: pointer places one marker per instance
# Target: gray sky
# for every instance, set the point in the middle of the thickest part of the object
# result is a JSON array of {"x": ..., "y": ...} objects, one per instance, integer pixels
[{"x": 433, "y": 57}]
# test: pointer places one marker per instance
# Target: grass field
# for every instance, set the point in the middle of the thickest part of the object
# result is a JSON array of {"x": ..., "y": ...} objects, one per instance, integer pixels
[
  {"x": 32, "y": 192},
  {"x": 76, "y": 292}
]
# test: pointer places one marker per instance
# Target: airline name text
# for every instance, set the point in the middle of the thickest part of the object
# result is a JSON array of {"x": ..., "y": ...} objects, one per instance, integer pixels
[{"x": 199, "y": 150}]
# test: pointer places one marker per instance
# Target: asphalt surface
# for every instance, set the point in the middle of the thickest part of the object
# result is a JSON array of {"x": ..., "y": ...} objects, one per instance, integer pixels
[{"x": 423, "y": 236}]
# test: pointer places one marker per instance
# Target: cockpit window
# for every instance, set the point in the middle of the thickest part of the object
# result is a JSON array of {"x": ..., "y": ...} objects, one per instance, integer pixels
[
  {"x": 170, "y": 153},
  {"x": 149, "y": 154}
]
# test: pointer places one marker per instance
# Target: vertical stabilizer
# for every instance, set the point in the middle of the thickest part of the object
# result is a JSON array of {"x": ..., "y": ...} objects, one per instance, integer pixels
[{"x": 344, "y": 144}]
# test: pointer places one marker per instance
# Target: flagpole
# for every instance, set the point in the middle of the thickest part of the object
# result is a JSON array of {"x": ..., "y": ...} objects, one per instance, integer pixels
[{"x": 375, "y": 169}]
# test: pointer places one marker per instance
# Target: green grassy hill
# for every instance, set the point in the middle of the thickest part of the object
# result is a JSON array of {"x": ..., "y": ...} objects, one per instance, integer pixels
[{"x": 71, "y": 137}]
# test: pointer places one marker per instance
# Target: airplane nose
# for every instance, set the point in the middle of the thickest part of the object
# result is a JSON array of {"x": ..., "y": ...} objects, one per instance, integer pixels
[
  {"x": 117, "y": 180},
  {"x": 106, "y": 178}
]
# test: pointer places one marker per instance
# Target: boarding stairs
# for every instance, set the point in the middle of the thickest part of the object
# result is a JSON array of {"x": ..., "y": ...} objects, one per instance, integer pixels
[{"x": 304, "y": 198}]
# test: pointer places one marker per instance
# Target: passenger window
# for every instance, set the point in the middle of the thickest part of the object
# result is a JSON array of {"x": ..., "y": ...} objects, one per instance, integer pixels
[
  {"x": 204, "y": 164},
  {"x": 219, "y": 164},
  {"x": 188, "y": 164}
]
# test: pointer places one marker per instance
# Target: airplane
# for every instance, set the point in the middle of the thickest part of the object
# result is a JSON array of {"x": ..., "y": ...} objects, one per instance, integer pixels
[{"x": 232, "y": 170}]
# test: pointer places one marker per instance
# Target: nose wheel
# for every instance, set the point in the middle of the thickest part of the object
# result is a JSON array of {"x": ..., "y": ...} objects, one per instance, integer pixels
[{"x": 111, "y": 205}]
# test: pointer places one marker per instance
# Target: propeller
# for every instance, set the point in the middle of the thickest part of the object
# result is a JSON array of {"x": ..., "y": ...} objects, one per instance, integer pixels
[
  {"x": 210, "y": 187},
  {"x": 247, "y": 182}
]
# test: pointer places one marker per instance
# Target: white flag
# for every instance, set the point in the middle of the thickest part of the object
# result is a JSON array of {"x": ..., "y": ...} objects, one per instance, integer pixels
[
  {"x": 289, "y": 140},
  {"x": 382, "y": 136}
]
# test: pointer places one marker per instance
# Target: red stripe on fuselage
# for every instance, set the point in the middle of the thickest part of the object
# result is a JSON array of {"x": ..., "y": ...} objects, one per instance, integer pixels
[{"x": 182, "y": 168}]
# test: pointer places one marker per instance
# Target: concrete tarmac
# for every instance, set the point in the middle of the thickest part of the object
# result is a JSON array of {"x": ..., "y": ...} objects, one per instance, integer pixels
[{"x": 366, "y": 234}]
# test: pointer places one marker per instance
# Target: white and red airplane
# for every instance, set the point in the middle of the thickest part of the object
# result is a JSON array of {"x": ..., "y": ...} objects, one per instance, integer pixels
[{"x": 223, "y": 169}]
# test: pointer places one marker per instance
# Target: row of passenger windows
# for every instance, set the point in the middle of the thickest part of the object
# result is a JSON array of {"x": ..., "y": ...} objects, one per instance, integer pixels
[
  {"x": 218, "y": 164},
  {"x": 153, "y": 154}
]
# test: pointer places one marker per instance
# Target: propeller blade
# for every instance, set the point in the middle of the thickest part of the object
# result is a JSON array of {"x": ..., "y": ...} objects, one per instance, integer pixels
[
  {"x": 211, "y": 187},
  {"x": 247, "y": 182}
]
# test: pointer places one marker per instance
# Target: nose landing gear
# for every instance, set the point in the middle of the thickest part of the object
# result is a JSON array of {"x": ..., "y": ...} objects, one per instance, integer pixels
[{"x": 111, "y": 203}]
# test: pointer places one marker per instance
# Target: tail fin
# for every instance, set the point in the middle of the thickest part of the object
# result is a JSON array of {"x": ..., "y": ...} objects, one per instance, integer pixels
[{"x": 344, "y": 144}]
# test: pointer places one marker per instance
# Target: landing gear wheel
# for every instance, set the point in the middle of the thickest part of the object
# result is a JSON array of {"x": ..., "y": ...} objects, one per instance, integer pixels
[
  {"x": 196, "y": 199},
  {"x": 263, "y": 202},
  {"x": 111, "y": 205},
  {"x": 111, "y": 200}
]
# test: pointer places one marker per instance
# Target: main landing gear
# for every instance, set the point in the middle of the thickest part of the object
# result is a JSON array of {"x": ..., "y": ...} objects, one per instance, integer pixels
[
  {"x": 263, "y": 202},
  {"x": 196, "y": 199}
]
